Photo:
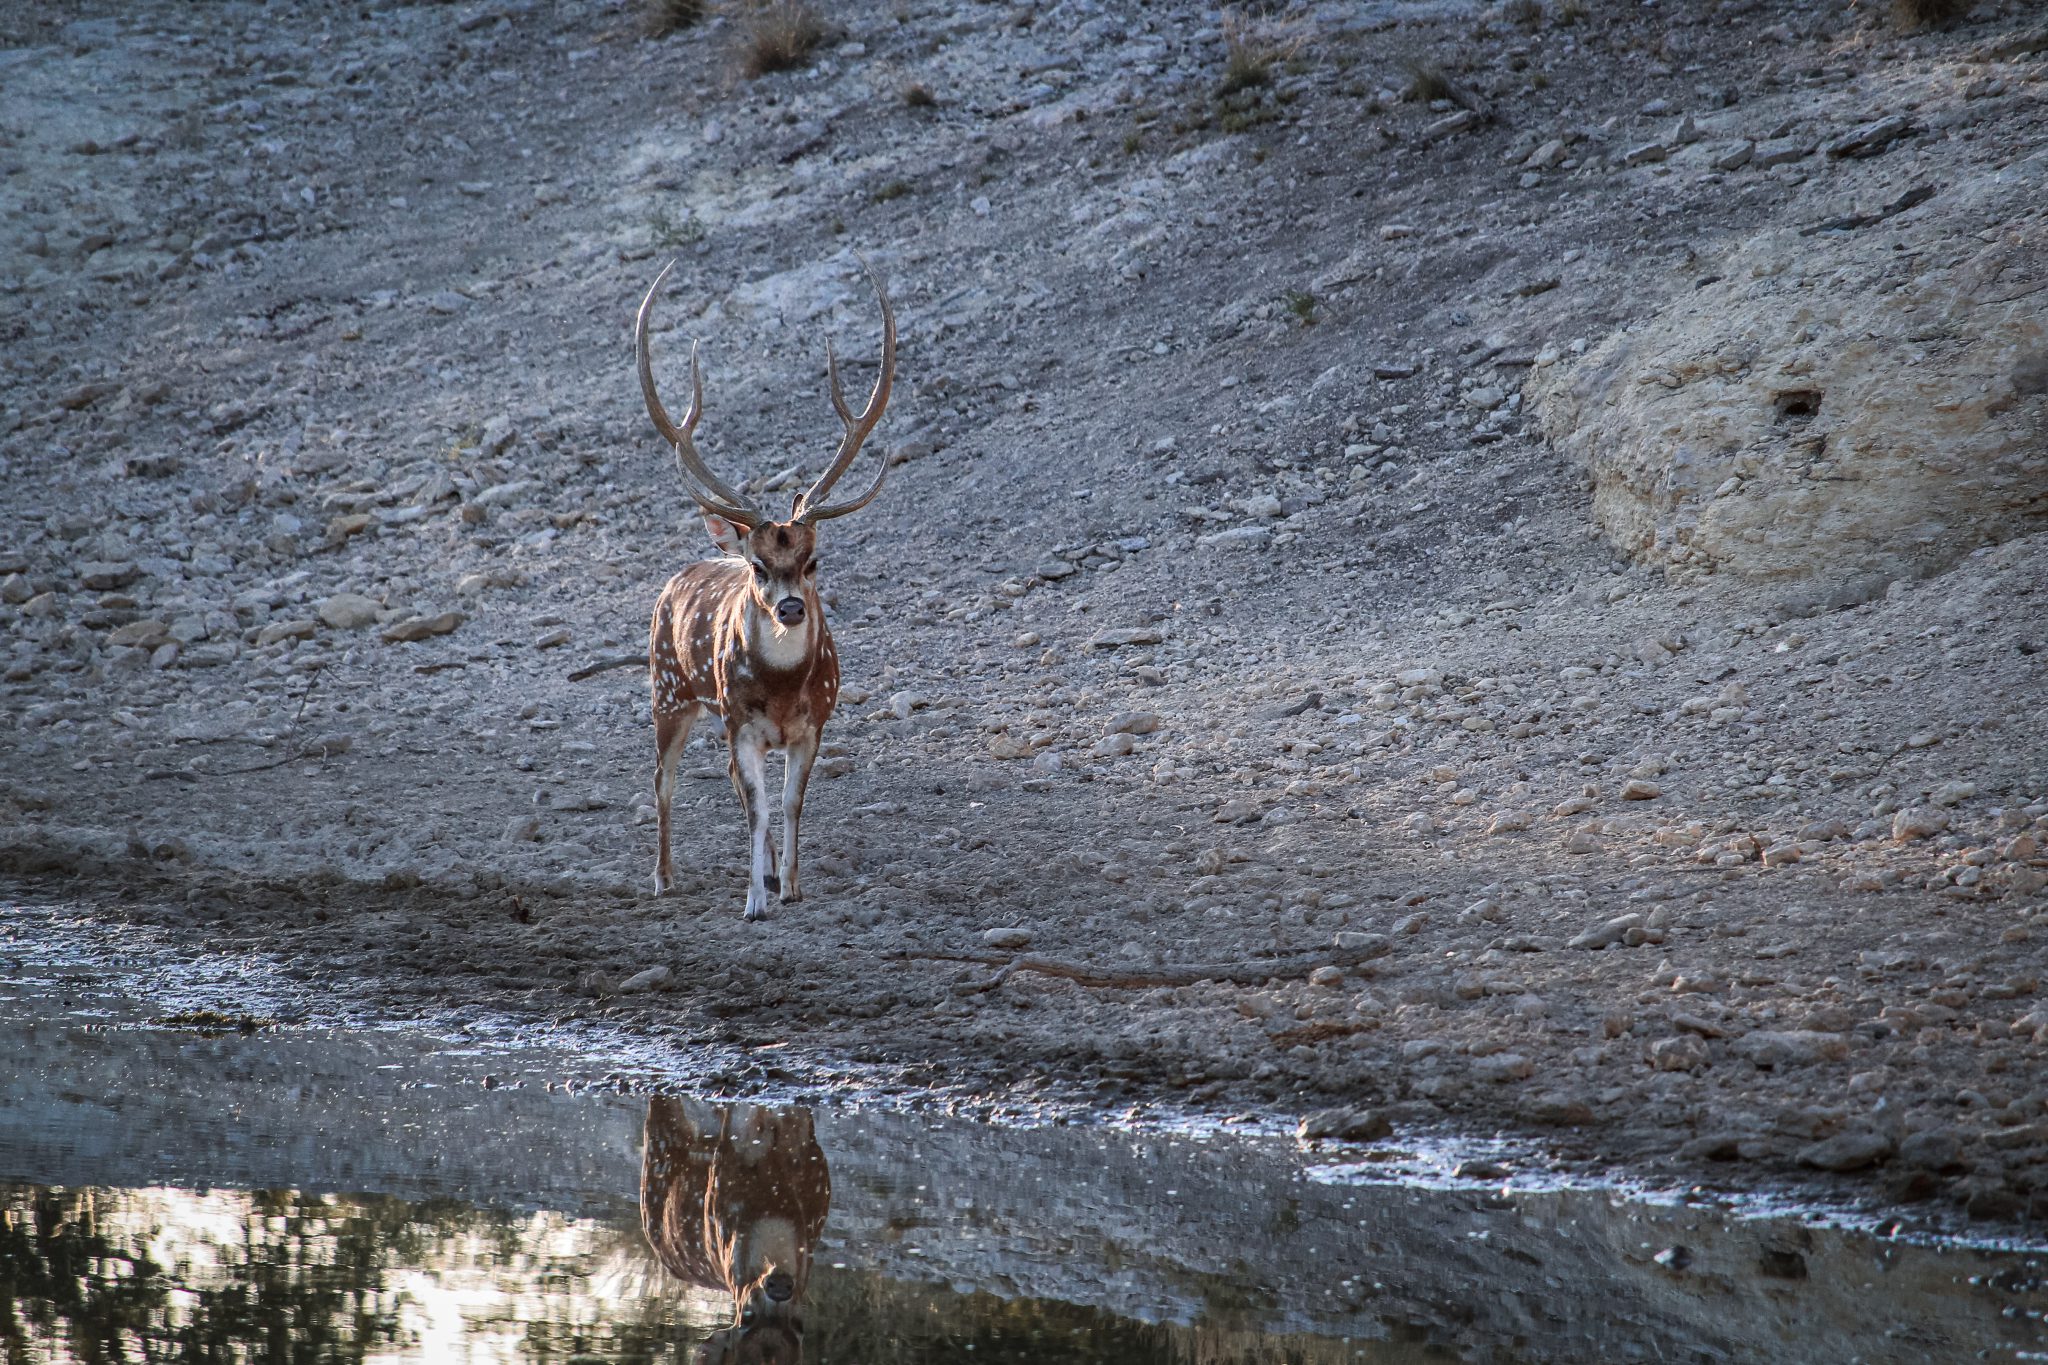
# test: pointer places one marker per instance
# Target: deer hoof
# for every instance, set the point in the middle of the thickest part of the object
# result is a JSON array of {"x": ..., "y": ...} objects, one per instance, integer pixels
[
  {"x": 757, "y": 907},
  {"x": 663, "y": 885},
  {"x": 792, "y": 895}
]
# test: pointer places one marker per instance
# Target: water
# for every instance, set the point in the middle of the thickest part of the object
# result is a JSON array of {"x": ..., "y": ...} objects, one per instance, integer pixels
[{"x": 309, "y": 1195}]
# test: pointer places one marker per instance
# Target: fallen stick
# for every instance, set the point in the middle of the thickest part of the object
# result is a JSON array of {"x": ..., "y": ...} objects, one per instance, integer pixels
[
  {"x": 591, "y": 670},
  {"x": 1428, "y": 81},
  {"x": 1463, "y": 96},
  {"x": 331, "y": 747},
  {"x": 1140, "y": 978},
  {"x": 324, "y": 748}
]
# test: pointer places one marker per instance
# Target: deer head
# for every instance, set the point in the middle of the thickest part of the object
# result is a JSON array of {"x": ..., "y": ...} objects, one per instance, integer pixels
[{"x": 782, "y": 554}]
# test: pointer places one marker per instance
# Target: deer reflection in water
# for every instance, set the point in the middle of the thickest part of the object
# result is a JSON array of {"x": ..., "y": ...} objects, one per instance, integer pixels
[{"x": 732, "y": 1198}]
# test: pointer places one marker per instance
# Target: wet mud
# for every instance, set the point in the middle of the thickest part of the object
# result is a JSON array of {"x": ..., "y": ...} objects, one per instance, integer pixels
[{"x": 424, "y": 1193}]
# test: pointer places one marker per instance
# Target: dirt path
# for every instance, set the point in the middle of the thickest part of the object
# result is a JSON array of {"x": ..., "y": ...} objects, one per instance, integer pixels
[{"x": 1214, "y": 507}]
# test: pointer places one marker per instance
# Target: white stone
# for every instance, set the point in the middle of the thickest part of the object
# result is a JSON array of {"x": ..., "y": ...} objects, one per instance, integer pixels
[
  {"x": 348, "y": 611},
  {"x": 650, "y": 979}
]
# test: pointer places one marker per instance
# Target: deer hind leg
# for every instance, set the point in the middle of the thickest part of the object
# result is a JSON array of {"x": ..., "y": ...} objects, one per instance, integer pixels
[
  {"x": 750, "y": 778},
  {"x": 801, "y": 754},
  {"x": 671, "y": 733}
]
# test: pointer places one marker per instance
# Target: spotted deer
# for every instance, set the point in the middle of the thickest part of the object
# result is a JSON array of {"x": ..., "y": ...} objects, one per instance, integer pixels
[
  {"x": 745, "y": 634},
  {"x": 734, "y": 1198}
]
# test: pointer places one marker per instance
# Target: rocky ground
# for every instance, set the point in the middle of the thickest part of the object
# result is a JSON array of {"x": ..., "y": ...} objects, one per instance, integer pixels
[{"x": 1248, "y": 702}]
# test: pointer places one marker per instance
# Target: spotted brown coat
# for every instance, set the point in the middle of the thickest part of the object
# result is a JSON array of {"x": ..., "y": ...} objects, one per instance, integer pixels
[{"x": 745, "y": 635}]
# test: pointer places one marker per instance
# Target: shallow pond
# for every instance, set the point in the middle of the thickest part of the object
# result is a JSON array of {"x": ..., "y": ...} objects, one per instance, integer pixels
[{"x": 170, "y": 1193}]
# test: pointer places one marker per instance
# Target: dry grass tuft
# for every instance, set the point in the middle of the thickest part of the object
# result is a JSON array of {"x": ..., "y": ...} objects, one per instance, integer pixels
[
  {"x": 1427, "y": 82},
  {"x": 1250, "y": 52},
  {"x": 779, "y": 35},
  {"x": 1523, "y": 14},
  {"x": 918, "y": 95},
  {"x": 663, "y": 17},
  {"x": 1912, "y": 15}
]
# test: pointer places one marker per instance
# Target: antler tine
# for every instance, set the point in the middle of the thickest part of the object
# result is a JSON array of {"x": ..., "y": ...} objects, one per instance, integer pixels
[
  {"x": 720, "y": 499},
  {"x": 814, "y": 515},
  {"x": 857, "y": 428},
  {"x": 838, "y": 394}
]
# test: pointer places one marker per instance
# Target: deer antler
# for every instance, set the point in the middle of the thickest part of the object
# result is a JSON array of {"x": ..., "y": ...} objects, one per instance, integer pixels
[
  {"x": 857, "y": 428},
  {"x": 720, "y": 499}
]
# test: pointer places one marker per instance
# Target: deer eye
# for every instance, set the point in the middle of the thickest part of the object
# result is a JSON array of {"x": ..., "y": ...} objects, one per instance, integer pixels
[
  {"x": 812, "y": 567},
  {"x": 760, "y": 571}
]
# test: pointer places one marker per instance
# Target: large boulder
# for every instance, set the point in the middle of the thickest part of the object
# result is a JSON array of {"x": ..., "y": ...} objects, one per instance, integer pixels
[{"x": 1837, "y": 410}]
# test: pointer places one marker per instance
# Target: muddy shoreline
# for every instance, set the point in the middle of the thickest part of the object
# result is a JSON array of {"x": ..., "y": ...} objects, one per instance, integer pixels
[
  {"x": 906, "y": 1058},
  {"x": 1178, "y": 1224}
]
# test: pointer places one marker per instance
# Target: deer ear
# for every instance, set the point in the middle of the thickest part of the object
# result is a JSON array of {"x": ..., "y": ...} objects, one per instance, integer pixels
[{"x": 724, "y": 534}]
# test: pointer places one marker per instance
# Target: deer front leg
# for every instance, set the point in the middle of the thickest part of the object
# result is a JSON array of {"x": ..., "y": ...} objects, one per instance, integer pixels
[
  {"x": 801, "y": 754},
  {"x": 671, "y": 733},
  {"x": 750, "y": 777}
]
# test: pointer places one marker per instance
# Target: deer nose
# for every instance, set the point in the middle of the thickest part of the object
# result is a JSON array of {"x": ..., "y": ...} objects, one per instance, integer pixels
[
  {"x": 789, "y": 610},
  {"x": 779, "y": 1285}
]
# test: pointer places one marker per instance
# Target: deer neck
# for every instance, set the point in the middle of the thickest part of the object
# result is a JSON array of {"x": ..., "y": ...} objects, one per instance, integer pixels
[{"x": 779, "y": 648}]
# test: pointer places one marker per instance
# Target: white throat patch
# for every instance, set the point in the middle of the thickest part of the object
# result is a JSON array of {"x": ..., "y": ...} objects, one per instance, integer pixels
[{"x": 781, "y": 647}]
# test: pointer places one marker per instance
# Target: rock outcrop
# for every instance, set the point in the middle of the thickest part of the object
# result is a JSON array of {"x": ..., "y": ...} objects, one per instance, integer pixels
[{"x": 1838, "y": 408}]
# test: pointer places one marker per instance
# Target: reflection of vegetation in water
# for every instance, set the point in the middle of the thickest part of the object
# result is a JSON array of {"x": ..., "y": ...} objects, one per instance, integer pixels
[
  {"x": 98, "y": 1275},
  {"x": 117, "y": 1275},
  {"x": 277, "y": 1292},
  {"x": 59, "y": 1274}
]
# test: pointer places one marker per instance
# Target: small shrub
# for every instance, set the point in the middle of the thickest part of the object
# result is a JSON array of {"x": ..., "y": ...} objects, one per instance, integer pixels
[
  {"x": 1427, "y": 82},
  {"x": 666, "y": 234},
  {"x": 663, "y": 17},
  {"x": 1302, "y": 304},
  {"x": 1233, "y": 118},
  {"x": 918, "y": 95},
  {"x": 1574, "y": 12},
  {"x": 779, "y": 35},
  {"x": 1525, "y": 14},
  {"x": 1918, "y": 14},
  {"x": 895, "y": 189},
  {"x": 1250, "y": 53}
]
